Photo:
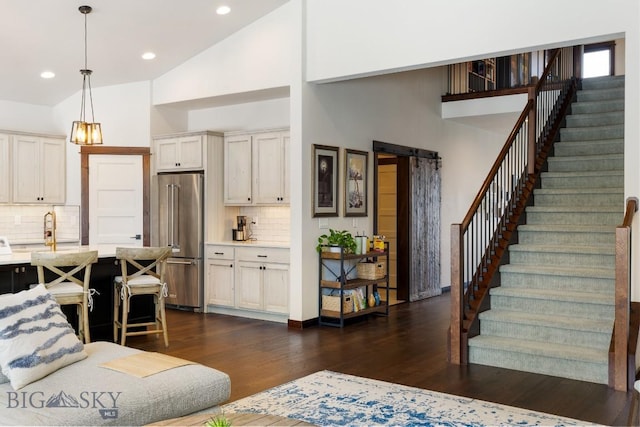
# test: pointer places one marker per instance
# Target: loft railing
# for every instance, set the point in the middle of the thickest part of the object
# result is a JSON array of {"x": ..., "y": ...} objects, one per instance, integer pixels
[
  {"x": 478, "y": 243},
  {"x": 620, "y": 374},
  {"x": 510, "y": 74}
]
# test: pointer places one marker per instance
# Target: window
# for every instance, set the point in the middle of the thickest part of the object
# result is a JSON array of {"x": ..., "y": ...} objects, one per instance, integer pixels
[{"x": 598, "y": 60}]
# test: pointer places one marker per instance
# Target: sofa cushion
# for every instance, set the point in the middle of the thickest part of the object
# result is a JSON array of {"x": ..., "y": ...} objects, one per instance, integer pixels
[
  {"x": 35, "y": 337},
  {"x": 85, "y": 393}
]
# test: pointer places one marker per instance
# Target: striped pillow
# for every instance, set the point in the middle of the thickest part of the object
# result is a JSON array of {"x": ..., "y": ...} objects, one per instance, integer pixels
[{"x": 35, "y": 337}]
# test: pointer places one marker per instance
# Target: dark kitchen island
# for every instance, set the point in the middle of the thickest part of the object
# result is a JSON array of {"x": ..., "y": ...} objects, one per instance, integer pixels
[{"x": 17, "y": 274}]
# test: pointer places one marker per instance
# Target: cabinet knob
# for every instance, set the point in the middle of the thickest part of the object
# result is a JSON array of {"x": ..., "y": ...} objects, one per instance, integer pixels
[
  {"x": 248, "y": 199},
  {"x": 231, "y": 265}
]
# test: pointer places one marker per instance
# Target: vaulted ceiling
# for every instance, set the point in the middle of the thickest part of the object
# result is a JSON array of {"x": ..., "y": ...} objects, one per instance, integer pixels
[{"x": 48, "y": 35}]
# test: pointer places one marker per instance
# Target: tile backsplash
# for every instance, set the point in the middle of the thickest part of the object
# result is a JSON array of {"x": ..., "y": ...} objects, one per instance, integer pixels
[
  {"x": 274, "y": 223},
  {"x": 24, "y": 224}
]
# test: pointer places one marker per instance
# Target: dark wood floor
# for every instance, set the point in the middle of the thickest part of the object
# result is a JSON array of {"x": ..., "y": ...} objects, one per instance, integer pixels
[{"x": 408, "y": 347}]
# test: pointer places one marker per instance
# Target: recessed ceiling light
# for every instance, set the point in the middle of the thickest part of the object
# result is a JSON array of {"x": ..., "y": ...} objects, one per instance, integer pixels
[
  {"x": 148, "y": 55},
  {"x": 47, "y": 74},
  {"x": 223, "y": 10}
]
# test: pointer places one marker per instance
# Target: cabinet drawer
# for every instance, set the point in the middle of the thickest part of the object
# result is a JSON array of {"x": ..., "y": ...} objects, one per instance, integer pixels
[
  {"x": 263, "y": 255},
  {"x": 219, "y": 252}
]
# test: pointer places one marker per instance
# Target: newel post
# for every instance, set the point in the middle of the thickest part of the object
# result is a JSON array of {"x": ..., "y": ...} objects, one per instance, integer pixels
[
  {"x": 457, "y": 294},
  {"x": 531, "y": 137}
]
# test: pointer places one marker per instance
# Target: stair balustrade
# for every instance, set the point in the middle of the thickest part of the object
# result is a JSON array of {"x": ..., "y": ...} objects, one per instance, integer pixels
[{"x": 478, "y": 243}]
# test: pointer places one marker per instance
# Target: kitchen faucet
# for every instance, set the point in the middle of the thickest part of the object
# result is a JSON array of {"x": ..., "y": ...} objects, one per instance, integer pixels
[{"x": 50, "y": 230}]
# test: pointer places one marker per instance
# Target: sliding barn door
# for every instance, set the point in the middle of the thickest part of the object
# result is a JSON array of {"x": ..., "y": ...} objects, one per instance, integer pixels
[{"x": 425, "y": 229}]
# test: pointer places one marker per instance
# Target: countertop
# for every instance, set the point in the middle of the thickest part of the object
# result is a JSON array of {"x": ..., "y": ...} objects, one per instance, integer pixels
[
  {"x": 23, "y": 255},
  {"x": 251, "y": 243}
]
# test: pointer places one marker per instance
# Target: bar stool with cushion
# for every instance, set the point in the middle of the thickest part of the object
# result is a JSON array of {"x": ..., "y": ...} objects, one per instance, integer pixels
[
  {"x": 143, "y": 273},
  {"x": 67, "y": 288}
]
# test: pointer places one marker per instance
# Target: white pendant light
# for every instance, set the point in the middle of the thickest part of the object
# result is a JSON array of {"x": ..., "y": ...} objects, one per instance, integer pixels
[{"x": 83, "y": 132}]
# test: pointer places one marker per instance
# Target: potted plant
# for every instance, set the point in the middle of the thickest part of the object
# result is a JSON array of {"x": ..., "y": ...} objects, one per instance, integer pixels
[{"x": 339, "y": 239}]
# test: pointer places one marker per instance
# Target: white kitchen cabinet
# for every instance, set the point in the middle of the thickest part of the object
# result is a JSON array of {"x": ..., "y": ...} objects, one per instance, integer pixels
[
  {"x": 257, "y": 169},
  {"x": 179, "y": 153},
  {"x": 5, "y": 170},
  {"x": 263, "y": 279},
  {"x": 38, "y": 170},
  {"x": 237, "y": 170},
  {"x": 271, "y": 168},
  {"x": 276, "y": 288},
  {"x": 220, "y": 281},
  {"x": 249, "y": 289},
  {"x": 220, "y": 276}
]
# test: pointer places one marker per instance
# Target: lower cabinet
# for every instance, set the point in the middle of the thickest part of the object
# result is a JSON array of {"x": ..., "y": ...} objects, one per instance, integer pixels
[
  {"x": 254, "y": 279},
  {"x": 220, "y": 278},
  {"x": 263, "y": 286}
]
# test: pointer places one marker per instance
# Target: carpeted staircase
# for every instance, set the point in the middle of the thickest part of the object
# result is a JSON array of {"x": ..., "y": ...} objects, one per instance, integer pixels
[{"x": 553, "y": 313}]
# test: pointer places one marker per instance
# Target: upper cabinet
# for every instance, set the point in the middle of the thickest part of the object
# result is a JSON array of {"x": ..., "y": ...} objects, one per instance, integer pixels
[
  {"x": 257, "y": 169},
  {"x": 237, "y": 170},
  {"x": 179, "y": 153},
  {"x": 5, "y": 170},
  {"x": 38, "y": 169}
]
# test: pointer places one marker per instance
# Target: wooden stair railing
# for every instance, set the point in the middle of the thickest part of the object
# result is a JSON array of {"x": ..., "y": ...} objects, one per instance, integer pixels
[
  {"x": 624, "y": 337},
  {"x": 479, "y": 242}
]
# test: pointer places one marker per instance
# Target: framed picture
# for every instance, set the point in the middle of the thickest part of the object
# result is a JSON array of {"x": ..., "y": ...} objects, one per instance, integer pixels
[
  {"x": 325, "y": 180},
  {"x": 355, "y": 183}
]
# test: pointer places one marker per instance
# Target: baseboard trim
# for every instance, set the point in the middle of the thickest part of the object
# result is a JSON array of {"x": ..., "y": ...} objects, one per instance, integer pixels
[{"x": 301, "y": 324}]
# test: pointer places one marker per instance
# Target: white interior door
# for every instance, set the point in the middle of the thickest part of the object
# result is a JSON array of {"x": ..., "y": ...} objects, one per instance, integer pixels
[{"x": 115, "y": 200}]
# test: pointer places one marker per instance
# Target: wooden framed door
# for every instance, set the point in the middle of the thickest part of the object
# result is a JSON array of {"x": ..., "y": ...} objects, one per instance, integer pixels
[{"x": 85, "y": 152}]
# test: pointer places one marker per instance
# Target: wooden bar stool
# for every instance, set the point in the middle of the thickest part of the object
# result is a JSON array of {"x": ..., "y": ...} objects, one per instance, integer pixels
[
  {"x": 68, "y": 289},
  {"x": 143, "y": 273}
]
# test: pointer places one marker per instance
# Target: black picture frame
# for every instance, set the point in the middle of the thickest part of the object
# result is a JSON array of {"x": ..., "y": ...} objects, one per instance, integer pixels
[
  {"x": 355, "y": 183},
  {"x": 325, "y": 180}
]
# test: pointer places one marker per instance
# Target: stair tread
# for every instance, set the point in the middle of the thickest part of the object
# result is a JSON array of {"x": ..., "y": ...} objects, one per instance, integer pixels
[
  {"x": 565, "y": 191},
  {"x": 614, "y": 156},
  {"x": 557, "y": 295},
  {"x": 560, "y": 351},
  {"x": 605, "y": 249},
  {"x": 568, "y": 228},
  {"x": 577, "y": 209},
  {"x": 547, "y": 320},
  {"x": 571, "y": 271},
  {"x": 615, "y": 126},
  {"x": 592, "y": 141},
  {"x": 583, "y": 173}
]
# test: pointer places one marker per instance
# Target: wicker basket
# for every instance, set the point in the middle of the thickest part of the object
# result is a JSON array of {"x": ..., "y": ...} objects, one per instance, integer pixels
[
  {"x": 332, "y": 303},
  {"x": 372, "y": 270}
]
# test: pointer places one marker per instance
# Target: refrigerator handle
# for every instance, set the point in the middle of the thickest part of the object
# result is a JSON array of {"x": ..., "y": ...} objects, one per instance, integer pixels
[{"x": 173, "y": 216}]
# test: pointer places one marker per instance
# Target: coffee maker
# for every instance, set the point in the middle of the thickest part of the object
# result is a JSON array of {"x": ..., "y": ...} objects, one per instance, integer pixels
[{"x": 241, "y": 233}]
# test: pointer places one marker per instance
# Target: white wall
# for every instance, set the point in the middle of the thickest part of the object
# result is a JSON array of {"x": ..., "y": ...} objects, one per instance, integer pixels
[
  {"x": 248, "y": 116},
  {"x": 18, "y": 116},
  {"x": 371, "y": 36},
  {"x": 256, "y": 57}
]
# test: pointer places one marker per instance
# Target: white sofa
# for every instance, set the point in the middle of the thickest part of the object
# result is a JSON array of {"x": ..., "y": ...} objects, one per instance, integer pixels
[{"x": 84, "y": 393}]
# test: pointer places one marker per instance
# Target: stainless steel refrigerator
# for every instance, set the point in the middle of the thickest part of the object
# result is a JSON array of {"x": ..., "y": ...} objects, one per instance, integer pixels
[{"x": 178, "y": 218}]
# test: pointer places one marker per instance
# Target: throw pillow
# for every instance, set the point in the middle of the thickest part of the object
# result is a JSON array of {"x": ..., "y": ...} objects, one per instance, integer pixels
[{"x": 35, "y": 337}]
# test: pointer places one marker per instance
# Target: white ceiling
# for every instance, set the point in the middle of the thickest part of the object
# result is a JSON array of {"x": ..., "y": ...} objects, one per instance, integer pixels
[{"x": 39, "y": 35}]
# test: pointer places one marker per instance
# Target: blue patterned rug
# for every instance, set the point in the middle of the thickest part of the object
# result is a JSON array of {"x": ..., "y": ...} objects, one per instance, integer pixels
[{"x": 332, "y": 399}]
